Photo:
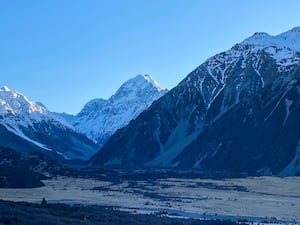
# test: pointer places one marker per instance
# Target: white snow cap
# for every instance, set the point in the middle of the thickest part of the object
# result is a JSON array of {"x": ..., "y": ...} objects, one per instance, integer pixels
[
  {"x": 295, "y": 29},
  {"x": 139, "y": 83},
  {"x": 288, "y": 40},
  {"x": 17, "y": 110},
  {"x": 148, "y": 78},
  {"x": 4, "y": 88}
]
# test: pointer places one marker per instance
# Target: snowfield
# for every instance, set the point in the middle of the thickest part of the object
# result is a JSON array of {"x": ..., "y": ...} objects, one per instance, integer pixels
[{"x": 255, "y": 199}]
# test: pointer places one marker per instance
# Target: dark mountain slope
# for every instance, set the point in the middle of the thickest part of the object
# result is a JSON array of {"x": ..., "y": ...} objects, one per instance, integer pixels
[
  {"x": 160, "y": 136},
  {"x": 260, "y": 135}
]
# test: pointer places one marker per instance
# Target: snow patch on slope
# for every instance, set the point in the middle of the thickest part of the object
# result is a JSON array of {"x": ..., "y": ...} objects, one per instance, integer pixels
[
  {"x": 177, "y": 141},
  {"x": 293, "y": 168},
  {"x": 288, "y": 111},
  {"x": 19, "y": 133}
]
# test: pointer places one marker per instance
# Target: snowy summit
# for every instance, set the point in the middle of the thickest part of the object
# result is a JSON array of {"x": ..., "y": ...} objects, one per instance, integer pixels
[
  {"x": 288, "y": 40},
  {"x": 25, "y": 121},
  {"x": 100, "y": 118}
]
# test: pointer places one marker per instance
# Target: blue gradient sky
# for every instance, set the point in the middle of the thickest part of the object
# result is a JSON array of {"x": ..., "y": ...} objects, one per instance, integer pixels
[{"x": 67, "y": 52}]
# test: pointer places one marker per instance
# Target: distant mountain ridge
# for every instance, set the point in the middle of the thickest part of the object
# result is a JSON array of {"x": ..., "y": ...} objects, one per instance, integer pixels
[
  {"x": 100, "y": 118},
  {"x": 27, "y": 126},
  {"x": 203, "y": 122}
]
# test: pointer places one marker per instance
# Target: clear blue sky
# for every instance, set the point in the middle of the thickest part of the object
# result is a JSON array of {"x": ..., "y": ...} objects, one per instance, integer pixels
[{"x": 67, "y": 52}]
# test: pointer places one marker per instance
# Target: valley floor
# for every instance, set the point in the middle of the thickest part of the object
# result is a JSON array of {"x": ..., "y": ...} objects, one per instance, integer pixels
[{"x": 256, "y": 199}]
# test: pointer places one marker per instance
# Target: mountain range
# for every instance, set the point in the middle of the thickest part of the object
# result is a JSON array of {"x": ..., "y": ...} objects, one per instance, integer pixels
[
  {"x": 28, "y": 126},
  {"x": 236, "y": 112}
]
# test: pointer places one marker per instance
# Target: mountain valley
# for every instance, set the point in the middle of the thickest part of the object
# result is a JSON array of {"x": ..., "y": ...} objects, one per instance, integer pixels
[{"x": 221, "y": 147}]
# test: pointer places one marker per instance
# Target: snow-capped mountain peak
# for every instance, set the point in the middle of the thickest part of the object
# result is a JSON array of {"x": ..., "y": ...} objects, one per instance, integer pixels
[
  {"x": 137, "y": 86},
  {"x": 100, "y": 118},
  {"x": 26, "y": 121},
  {"x": 4, "y": 88},
  {"x": 259, "y": 35},
  {"x": 288, "y": 40},
  {"x": 16, "y": 103},
  {"x": 16, "y": 111}
]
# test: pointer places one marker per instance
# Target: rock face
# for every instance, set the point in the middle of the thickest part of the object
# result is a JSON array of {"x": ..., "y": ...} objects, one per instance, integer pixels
[
  {"x": 28, "y": 126},
  {"x": 260, "y": 135},
  {"x": 235, "y": 112},
  {"x": 100, "y": 118}
]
